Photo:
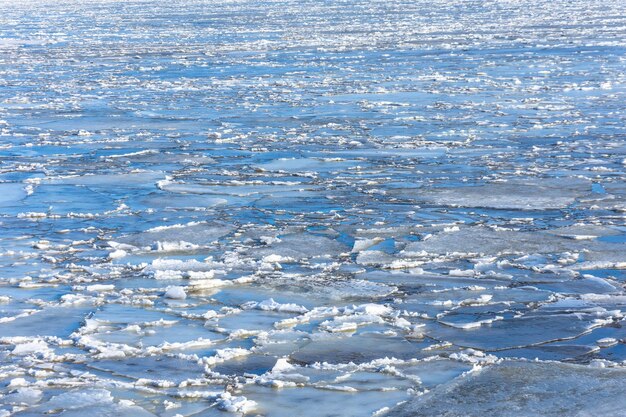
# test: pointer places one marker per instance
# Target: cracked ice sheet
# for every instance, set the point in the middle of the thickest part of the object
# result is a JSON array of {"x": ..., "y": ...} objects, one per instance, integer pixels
[
  {"x": 525, "y": 388},
  {"x": 487, "y": 241},
  {"x": 193, "y": 195},
  {"x": 514, "y": 195},
  {"x": 178, "y": 237}
]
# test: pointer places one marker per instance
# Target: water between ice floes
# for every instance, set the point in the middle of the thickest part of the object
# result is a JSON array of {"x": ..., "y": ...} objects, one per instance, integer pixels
[{"x": 312, "y": 208}]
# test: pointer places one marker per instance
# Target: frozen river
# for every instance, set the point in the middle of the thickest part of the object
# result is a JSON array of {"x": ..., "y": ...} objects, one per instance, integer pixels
[{"x": 312, "y": 208}]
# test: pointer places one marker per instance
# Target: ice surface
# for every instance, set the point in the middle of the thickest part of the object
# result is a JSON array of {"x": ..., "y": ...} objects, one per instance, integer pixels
[
  {"x": 486, "y": 241},
  {"x": 11, "y": 193},
  {"x": 176, "y": 293},
  {"x": 96, "y": 402},
  {"x": 522, "y": 389},
  {"x": 179, "y": 237},
  {"x": 294, "y": 247},
  {"x": 312, "y": 207},
  {"x": 521, "y": 195}
]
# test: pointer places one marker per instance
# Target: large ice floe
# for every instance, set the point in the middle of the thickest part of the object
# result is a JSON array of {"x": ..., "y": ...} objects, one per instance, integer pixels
[{"x": 312, "y": 208}]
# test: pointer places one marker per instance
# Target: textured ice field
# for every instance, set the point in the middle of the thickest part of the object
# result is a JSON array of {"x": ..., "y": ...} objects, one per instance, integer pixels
[{"x": 312, "y": 208}]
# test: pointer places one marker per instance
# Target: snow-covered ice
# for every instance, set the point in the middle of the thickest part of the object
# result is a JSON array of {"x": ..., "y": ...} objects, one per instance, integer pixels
[{"x": 281, "y": 208}]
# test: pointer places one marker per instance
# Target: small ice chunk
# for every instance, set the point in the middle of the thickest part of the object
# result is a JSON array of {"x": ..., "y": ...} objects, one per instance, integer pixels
[
  {"x": 606, "y": 342},
  {"x": 18, "y": 382},
  {"x": 79, "y": 399},
  {"x": 174, "y": 246},
  {"x": 100, "y": 287},
  {"x": 375, "y": 309},
  {"x": 282, "y": 365},
  {"x": 276, "y": 258},
  {"x": 362, "y": 244},
  {"x": 28, "y": 348},
  {"x": 116, "y": 254},
  {"x": 223, "y": 355},
  {"x": 175, "y": 293},
  {"x": 271, "y": 305},
  {"x": 24, "y": 396},
  {"x": 233, "y": 404}
]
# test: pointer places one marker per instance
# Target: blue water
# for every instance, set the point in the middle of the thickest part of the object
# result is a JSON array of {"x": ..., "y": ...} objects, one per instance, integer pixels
[{"x": 329, "y": 183}]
